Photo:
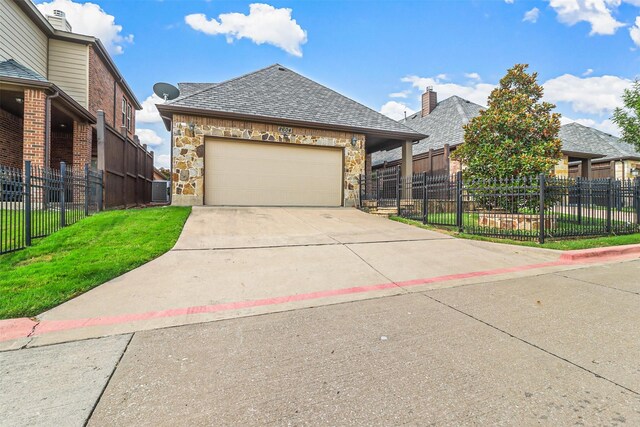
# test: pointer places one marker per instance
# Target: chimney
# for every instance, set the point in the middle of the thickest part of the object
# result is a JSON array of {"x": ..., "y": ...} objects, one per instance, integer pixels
[
  {"x": 429, "y": 101},
  {"x": 59, "y": 21}
]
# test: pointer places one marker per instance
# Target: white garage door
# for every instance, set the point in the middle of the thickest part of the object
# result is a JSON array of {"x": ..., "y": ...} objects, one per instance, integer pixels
[{"x": 241, "y": 173}]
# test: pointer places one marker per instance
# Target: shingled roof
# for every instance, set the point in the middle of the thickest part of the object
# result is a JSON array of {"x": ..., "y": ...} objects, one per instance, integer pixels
[
  {"x": 13, "y": 69},
  {"x": 278, "y": 94},
  {"x": 443, "y": 126},
  {"x": 577, "y": 137}
]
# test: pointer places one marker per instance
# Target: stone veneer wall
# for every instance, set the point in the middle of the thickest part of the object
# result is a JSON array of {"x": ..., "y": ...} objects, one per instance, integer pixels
[
  {"x": 561, "y": 170},
  {"x": 190, "y": 132}
]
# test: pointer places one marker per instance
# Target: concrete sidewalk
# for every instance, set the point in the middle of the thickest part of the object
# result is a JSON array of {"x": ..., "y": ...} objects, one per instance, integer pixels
[
  {"x": 546, "y": 350},
  {"x": 552, "y": 349},
  {"x": 232, "y": 262}
]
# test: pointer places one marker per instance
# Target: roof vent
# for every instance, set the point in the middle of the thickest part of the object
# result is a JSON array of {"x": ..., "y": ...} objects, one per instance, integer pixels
[
  {"x": 59, "y": 21},
  {"x": 282, "y": 69}
]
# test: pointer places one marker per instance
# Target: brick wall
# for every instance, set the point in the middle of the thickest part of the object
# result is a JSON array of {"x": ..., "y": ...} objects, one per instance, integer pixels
[
  {"x": 101, "y": 88},
  {"x": 81, "y": 145},
  {"x": 34, "y": 126},
  {"x": 10, "y": 139},
  {"x": 61, "y": 148}
]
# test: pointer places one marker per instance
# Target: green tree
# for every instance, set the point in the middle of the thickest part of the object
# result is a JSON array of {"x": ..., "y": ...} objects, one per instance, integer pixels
[
  {"x": 516, "y": 136},
  {"x": 628, "y": 118}
]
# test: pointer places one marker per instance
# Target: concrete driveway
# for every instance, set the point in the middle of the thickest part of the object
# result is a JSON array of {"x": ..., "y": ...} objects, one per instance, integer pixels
[{"x": 233, "y": 262}]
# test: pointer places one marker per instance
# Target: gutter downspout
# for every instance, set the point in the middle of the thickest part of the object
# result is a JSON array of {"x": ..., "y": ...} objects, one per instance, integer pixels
[{"x": 47, "y": 128}]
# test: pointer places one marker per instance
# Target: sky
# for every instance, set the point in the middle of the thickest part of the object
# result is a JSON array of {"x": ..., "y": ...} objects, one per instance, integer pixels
[{"x": 380, "y": 53}]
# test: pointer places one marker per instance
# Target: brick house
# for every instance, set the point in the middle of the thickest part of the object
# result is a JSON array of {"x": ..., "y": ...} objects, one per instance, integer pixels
[
  {"x": 583, "y": 151},
  {"x": 53, "y": 84}
]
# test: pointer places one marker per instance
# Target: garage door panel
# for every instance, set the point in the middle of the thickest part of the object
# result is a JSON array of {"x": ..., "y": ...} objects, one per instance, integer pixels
[{"x": 267, "y": 174}]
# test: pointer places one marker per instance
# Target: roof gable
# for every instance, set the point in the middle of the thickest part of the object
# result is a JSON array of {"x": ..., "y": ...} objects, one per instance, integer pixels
[
  {"x": 579, "y": 138},
  {"x": 280, "y": 94}
]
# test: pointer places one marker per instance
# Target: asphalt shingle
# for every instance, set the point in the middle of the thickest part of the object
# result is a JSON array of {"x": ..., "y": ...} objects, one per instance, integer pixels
[
  {"x": 443, "y": 126},
  {"x": 584, "y": 139},
  {"x": 279, "y": 93},
  {"x": 13, "y": 69}
]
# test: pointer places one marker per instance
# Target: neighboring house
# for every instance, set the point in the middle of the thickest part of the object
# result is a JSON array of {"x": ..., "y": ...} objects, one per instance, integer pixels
[
  {"x": 274, "y": 137},
  {"x": 443, "y": 123},
  {"x": 53, "y": 83},
  {"x": 620, "y": 161}
]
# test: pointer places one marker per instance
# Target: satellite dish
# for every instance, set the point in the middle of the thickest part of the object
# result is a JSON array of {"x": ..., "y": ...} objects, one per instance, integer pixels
[{"x": 166, "y": 91}]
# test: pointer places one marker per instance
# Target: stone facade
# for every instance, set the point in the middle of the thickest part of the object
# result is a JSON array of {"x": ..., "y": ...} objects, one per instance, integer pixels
[
  {"x": 561, "y": 170},
  {"x": 189, "y": 134}
]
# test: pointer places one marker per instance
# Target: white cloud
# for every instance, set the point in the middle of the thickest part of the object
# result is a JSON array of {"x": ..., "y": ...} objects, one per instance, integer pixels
[
  {"x": 598, "y": 13},
  {"x": 473, "y": 76},
  {"x": 634, "y": 32},
  {"x": 149, "y": 137},
  {"x": 403, "y": 94},
  {"x": 588, "y": 72},
  {"x": 591, "y": 95},
  {"x": 532, "y": 15},
  {"x": 149, "y": 112},
  {"x": 476, "y": 92},
  {"x": 163, "y": 161},
  {"x": 509, "y": 1},
  {"x": 263, "y": 24},
  {"x": 90, "y": 19},
  {"x": 396, "y": 110}
]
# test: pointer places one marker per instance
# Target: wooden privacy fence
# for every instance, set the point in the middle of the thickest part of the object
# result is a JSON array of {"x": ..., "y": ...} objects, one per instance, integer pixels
[{"x": 127, "y": 166}]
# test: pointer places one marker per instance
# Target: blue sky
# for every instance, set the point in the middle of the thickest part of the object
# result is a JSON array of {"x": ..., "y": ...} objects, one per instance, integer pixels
[{"x": 380, "y": 53}]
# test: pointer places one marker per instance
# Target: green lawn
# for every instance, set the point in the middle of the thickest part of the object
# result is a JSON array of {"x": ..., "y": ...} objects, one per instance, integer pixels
[
  {"x": 563, "y": 245},
  {"x": 84, "y": 255}
]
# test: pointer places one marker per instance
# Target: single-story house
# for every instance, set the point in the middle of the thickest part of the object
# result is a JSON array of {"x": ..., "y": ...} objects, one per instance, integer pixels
[
  {"x": 274, "y": 137},
  {"x": 621, "y": 160},
  {"x": 443, "y": 123}
]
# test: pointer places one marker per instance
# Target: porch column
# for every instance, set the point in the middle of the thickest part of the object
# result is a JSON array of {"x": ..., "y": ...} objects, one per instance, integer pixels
[
  {"x": 406, "y": 167},
  {"x": 586, "y": 168},
  {"x": 81, "y": 145},
  {"x": 34, "y": 123},
  {"x": 368, "y": 170}
]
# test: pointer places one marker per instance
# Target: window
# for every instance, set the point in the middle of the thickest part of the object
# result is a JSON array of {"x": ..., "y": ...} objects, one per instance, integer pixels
[
  {"x": 129, "y": 116},
  {"x": 124, "y": 111}
]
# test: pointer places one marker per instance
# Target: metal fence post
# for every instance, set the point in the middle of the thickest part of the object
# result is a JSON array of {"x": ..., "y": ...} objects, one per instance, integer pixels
[
  {"x": 459, "y": 204},
  {"x": 425, "y": 199},
  {"x": 63, "y": 194},
  {"x": 86, "y": 189},
  {"x": 541, "y": 226},
  {"x": 609, "y": 204},
  {"x": 636, "y": 200},
  {"x": 579, "y": 207},
  {"x": 399, "y": 191},
  {"x": 27, "y": 202}
]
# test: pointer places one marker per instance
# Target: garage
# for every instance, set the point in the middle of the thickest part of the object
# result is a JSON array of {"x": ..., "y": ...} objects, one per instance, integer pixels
[
  {"x": 240, "y": 173},
  {"x": 274, "y": 138}
]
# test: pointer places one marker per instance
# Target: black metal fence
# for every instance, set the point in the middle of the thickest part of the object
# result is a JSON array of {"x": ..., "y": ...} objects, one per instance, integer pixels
[
  {"x": 36, "y": 202},
  {"x": 536, "y": 208}
]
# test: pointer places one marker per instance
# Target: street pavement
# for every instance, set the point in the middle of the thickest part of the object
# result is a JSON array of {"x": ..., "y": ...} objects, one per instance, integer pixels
[
  {"x": 557, "y": 348},
  {"x": 334, "y": 317}
]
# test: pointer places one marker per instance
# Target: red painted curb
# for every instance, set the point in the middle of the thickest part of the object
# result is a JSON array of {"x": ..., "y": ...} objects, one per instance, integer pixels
[
  {"x": 612, "y": 251},
  {"x": 11, "y": 329}
]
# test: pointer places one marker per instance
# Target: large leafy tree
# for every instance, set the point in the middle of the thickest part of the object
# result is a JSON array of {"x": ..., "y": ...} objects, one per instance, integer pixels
[
  {"x": 628, "y": 118},
  {"x": 516, "y": 136}
]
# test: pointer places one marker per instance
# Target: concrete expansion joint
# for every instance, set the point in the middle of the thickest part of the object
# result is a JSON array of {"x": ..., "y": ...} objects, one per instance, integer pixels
[
  {"x": 106, "y": 384},
  {"x": 595, "y": 284},
  {"x": 564, "y": 359}
]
